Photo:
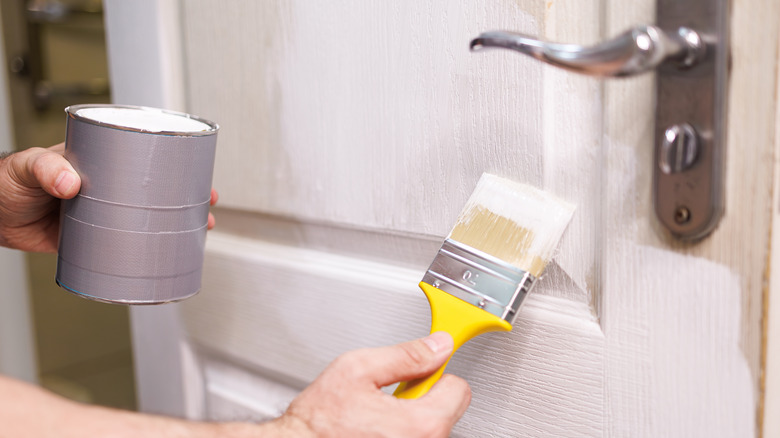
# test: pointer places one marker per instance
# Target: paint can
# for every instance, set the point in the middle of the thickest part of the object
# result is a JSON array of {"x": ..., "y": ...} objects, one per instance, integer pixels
[{"x": 135, "y": 233}]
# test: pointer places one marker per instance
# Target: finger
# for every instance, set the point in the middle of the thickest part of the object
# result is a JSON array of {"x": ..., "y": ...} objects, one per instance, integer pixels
[
  {"x": 58, "y": 148},
  {"x": 450, "y": 396},
  {"x": 211, "y": 221},
  {"x": 214, "y": 197},
  {"x": 56, "y": 175},
  {"x": 49, "y": 170},
  {"x": 410, "y": 360}
]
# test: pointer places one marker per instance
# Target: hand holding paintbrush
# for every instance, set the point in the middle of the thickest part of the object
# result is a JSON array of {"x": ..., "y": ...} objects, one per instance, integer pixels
[{"x": 501, "y": 243}]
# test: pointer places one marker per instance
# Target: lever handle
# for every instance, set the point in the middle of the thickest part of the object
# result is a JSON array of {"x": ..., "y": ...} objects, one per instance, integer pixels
[{"x": 635, "y": 51}]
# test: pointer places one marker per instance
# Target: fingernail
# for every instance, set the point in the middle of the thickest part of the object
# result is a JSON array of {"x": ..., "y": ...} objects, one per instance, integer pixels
[
  {"x": 438, "y": 341},
  {"x": 65, "y": 181}
]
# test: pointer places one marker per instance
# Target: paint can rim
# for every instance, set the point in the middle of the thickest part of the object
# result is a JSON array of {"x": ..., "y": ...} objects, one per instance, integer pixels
[{"x": 72, "y": 112}]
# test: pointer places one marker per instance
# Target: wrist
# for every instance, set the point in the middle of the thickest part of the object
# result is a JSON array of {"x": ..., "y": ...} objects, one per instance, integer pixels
[{"x": 282, "y": 427}]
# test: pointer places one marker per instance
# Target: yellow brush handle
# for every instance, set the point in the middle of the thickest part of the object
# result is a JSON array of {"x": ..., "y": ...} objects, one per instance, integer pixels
[{"x": 458, "y": 318}]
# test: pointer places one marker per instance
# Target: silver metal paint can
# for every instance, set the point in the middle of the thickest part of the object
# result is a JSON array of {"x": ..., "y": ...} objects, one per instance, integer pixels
[{"x": 135, "y": 233}]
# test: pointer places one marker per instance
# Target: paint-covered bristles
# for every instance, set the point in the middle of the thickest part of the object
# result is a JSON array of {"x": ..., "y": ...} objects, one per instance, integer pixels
[{"x": 514, "y": 222}]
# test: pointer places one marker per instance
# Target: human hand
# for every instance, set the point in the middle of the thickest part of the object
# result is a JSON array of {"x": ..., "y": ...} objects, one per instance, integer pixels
[
  {"x": 347, "y": 400},
  {"x": 32, "y": 182}
]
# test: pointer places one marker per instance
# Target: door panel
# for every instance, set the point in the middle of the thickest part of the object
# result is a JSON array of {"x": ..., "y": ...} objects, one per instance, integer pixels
[
  {"x": 378, "y": 117},
  {"x": 286, "y": 312},
  {"x": 352, "y": 134}
]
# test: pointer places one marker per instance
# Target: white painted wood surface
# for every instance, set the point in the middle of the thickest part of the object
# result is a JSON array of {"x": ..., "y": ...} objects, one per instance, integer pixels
[{"x": 352, "y": 133}]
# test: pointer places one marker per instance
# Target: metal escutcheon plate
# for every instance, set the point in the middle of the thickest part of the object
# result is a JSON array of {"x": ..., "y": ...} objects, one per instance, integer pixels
[{"x": 689, "y": 200}]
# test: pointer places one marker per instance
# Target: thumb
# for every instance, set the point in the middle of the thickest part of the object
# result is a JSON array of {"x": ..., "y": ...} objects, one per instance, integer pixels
[
  {"x": 47, "y": 169},
  {"x": 406, "y": 361}
]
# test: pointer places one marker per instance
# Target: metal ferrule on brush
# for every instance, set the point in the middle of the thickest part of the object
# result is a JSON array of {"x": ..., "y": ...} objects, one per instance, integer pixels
[{"x": 479, "y": 279}]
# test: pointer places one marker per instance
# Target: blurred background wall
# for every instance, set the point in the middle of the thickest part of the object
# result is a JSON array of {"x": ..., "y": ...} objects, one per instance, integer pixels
[{"x": 55, "y": 56}]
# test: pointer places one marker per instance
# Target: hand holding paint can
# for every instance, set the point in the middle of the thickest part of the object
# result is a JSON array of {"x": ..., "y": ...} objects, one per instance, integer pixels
[{"x": 135, "y": 233}]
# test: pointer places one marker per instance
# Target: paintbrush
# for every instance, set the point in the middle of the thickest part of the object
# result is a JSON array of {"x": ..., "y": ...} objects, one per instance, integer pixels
[{"x": 498, "y": 248}]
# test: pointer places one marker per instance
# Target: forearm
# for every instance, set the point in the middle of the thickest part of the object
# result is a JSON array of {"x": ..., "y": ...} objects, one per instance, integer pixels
[{"x": 28, "y": 411}]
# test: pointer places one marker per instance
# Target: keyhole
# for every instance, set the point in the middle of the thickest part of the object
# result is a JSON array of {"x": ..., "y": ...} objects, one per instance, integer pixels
[{"x": 682, "y": 215}]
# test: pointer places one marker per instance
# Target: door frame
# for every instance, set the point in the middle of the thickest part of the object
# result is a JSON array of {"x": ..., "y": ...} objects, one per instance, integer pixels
[
  {"x": 771, "y": 316},
  {"x": 145, "y": 67}
]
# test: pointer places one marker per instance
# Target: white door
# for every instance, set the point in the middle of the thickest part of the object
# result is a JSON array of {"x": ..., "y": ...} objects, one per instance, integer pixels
[{"x": 352, "y": 133}]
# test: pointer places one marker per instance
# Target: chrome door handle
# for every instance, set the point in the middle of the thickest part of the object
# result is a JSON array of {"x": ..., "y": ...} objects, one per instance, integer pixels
[
  {"x": 688, "y": 47},
  {"x": 635, "y": 51}
]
